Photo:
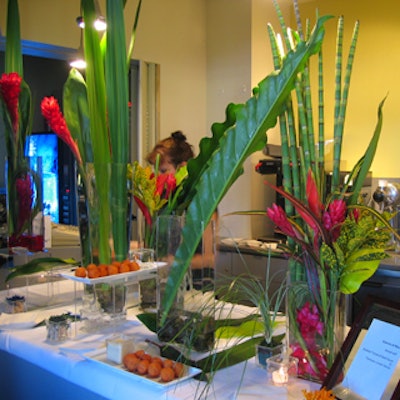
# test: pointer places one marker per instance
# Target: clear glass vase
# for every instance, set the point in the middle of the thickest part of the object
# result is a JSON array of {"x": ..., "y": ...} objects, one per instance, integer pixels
[
  {"x": 315, "y": 328},
  {"x": 25, "y": 203},
  {"x": 105, "y": 217},
  {"x": 191, "y": 319}
]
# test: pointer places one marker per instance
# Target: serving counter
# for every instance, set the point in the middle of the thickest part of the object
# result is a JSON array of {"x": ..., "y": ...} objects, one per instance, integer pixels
[{"x": 33, "y": 368}]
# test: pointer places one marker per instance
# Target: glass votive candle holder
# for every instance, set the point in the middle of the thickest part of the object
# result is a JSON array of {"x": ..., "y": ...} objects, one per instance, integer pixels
[
  {"x": 281, "y": 369},
  {"x": 16, "y": 304},
  {"x": 142, "y": 254},
  {"x": 58, "y": 329}
]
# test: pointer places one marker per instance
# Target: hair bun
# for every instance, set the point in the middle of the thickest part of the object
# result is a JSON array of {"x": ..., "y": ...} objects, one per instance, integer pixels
[{"x": 178, "y": 136}]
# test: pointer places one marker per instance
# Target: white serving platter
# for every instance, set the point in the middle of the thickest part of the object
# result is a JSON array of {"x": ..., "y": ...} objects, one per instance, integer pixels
[
  {"x": 146, "y": 271},
  {"x": 100, "y": 357}
]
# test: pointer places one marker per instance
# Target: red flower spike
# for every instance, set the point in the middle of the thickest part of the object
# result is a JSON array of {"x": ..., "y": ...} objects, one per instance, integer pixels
[
  {"x": 279, "y": 218},
  {"x": 314, "y": 202},
  {"x": 51, "y": 112},
  {"x": 10, "y": 89},
  {"x": 334, "y": 217},
  {"x": 25, "y": 196},
  {"x": 165, "y": 185}
]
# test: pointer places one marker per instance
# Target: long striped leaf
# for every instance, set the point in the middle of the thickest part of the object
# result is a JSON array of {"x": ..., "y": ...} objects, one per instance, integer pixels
[{"x": 248, "y": 135}]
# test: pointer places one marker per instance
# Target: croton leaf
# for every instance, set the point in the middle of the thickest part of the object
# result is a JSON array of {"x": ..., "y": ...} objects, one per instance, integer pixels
[
  {"x": 246, "y": 136},
  {"x": 355, "y": 274}
]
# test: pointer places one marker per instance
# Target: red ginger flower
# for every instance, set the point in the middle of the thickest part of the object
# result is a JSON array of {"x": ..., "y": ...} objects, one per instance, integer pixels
[
  {"x": 279, "y": 218},
  {"x": 25, "y": 195},
  {"x": 309, "y": 320},
  {"x": 10, "y": 89},
  {"x": 51, "y": 112},
  {"x": 335, "y": 216}
]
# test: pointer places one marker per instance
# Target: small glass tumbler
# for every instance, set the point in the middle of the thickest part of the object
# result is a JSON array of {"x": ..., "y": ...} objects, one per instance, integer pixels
[
  {"x": 58, "y": 331},
  {"x": 281, "y": 369},
  {"x": 16, "y": 304}
]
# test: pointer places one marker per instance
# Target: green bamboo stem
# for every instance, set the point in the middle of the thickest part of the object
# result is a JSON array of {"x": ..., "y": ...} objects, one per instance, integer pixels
[
  {"x": 321, "y": 121},
  {"x": 337, "y": 135}
]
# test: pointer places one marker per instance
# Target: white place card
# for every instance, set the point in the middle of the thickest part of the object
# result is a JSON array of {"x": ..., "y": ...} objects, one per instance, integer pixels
[{"x": 375, "y": 362}]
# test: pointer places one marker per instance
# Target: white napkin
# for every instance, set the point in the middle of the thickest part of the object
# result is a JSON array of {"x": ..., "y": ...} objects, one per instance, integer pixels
[
  {"x": 24, "y": 320},
  {"x": 292, "y": 391}
]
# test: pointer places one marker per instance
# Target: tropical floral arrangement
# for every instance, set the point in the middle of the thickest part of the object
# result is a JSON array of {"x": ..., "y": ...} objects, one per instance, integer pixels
[
  {"x": 23, "y": 182},
  {"x": 95, "y": 125},
  {"x": 334, "y": 241},
  {"x": 338, "y": 247},
  {"x": 155, "y": 194}
]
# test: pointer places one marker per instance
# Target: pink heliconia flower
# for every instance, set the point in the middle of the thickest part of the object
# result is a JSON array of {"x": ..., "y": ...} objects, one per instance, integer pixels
[
  {"x": 10, "y": 89},
  {"x": 51, "y": 112},
  {"x": 280, "y": 219}
]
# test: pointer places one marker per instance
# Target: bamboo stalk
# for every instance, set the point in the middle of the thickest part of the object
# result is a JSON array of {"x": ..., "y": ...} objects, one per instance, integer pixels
[{"x": 337, "y": 137}]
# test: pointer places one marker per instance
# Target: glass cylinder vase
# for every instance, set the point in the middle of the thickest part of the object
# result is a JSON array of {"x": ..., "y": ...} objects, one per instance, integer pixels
[
  {"x": 25, "y": 203},
  {"x": 191, "y": 319},
  {"x": 315, "y": 328},
  {"x": 105, "y": 217}
]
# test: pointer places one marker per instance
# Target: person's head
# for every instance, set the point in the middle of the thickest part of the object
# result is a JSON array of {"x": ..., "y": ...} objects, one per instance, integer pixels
[{"x": 174, "y": 152}]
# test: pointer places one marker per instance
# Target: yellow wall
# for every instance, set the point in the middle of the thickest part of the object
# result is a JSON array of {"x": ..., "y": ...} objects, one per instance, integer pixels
[{"x": 375, "y": 74}]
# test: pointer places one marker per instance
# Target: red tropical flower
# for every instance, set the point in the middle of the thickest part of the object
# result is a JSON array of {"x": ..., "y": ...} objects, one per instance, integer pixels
[
  {"x": 23, "y": 185},
  {"x": 334, "y": 217},
  {"x": 51, "y": 112},
  {"x": 279, "y": 218},
  {"x": 165, "y": 185},
  {"x": 313, "y": 200},
  {"x": 10, "y": 89}
]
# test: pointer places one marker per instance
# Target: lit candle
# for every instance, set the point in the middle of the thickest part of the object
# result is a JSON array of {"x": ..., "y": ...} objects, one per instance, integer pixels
[{"x": 280, "y": 376}]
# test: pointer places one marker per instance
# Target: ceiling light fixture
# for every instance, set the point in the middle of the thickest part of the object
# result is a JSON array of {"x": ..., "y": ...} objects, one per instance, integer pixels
[{"x": 100, "y": 23}]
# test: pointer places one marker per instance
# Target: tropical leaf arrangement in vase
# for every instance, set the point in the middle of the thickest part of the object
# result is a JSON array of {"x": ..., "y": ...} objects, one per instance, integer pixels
[
  {"x": 334, "y": 241},
  {"x": 95, "y": 125}
]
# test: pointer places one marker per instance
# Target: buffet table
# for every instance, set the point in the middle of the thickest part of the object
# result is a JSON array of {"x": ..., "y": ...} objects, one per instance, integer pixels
[{"x": 33, "y": 368}]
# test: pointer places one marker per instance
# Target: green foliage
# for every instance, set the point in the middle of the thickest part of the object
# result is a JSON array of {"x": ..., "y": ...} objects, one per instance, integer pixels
[
  {"x": 247, "y": 135},
  {"x": 38, "y": 265}
]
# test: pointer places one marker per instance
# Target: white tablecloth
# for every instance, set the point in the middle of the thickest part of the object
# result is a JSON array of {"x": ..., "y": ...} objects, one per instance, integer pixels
[{"x": 245, "y": 381}]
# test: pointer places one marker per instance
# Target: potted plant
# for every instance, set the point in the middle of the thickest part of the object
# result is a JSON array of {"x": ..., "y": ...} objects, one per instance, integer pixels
[{"x": 269, "y": 303}]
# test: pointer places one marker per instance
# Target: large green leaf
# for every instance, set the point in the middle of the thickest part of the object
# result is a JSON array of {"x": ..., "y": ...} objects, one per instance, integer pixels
[
  {"x": 118, "y": 119},
  {"x": 76, "y": 113},
  {"x": 208, "y": 145},
  {"x": 362, "y": 168},
  {"x": 248, "y": 135}
]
